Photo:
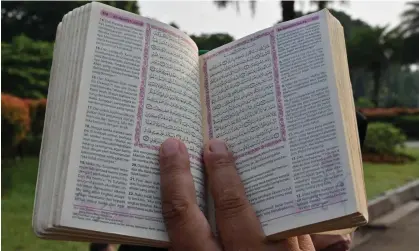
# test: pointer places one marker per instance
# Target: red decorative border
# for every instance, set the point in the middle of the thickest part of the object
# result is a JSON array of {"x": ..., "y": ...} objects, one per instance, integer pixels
[
  {"x": 271, "y": 35},
  {"x": 302, "y": 21},
  {"x": 143, "y": 79},
  {"x": 142, "y": 92},
  {"x": 121, "y": 18}
]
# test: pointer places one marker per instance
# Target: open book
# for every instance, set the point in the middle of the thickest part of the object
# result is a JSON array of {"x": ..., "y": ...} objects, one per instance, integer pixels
[{"x": 121, "y": 84}]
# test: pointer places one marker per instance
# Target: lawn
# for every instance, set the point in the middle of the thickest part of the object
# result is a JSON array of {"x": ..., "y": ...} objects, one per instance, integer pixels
[
  {"x": 382, "y": 177},
  {"x": 17, "y": 203},
  {"x": 16, "y": 213}
]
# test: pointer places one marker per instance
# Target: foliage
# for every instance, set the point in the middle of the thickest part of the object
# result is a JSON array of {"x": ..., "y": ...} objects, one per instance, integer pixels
[
  {"x": 15, "y": 122},
  {"x": 211, "y": 41},
  {"x": 23, "y": 122},
  {"x": 406, "y": 120},
  {"x": 37, "y": 108},
  {"x": 383, "y": 138},
  {"x": 410, "y": 29},
  {"x": 373, "y": 48},
  {"x": 174, "y": 25},
  {"x": 223, "y": 4},
  {"x": 388, "y": 112},
  {"x": 25, "y": 67},
  {"x": 31, "y": 145},
  {"x": 410, "y": 18},
  {"x": 363, "y": 102},
  {"x": 349, "y": 24},
  {"x": 410, "y": 49},
  {"x": 287, "y": 7},
  {"x": 323, "y": 4},
  {"x": 288, "y": 10},
  {"x": 39, "y": 19}
]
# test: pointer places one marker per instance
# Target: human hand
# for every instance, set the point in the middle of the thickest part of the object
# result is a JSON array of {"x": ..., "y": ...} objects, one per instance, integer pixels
[
  {"x": 323, "y": 242},
  {"x": 238, "y": 226}
]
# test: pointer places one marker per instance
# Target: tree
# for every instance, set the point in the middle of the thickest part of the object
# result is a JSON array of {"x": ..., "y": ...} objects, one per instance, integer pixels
[
  {"x": 410, "y": 31},
  {"x": 288, "y": 11},
  {"x": 288, "y": 7},
  {"x": 410, "y": 18},
  {"x": 373, "y": 48},
  {"x": 39, "y": 20},
  {"x": 25, "y": 67},
  {"x": 323, "y": 4},
  {"x": 348, "y": 23},
  {"x": 211, "y": 41},
  {"x": 411, "y": 49},
  {"x": 224, "y": 4},
  {"x": 173, "y": 24}
]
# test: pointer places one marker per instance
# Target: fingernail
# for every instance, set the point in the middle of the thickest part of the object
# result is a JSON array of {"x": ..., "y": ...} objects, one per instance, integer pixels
[
  {"x": 170, "y": 147},
  {"x": 218, "y": 146}
]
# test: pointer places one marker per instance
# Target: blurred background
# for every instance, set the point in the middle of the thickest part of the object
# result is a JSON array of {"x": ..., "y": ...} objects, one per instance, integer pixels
[{"x": 382, "y": 41}]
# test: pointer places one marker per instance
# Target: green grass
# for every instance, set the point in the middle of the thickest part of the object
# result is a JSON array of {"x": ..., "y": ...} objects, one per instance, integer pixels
[
  {"x": 382, "y": 177},
  {"x": 17, "y": 202},
  {"x": 16, "y": 212}
]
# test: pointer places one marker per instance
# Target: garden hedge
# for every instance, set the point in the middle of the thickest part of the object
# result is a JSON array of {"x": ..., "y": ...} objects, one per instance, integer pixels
[
  {"x": 15, "y": 122},
  {"x": 407, "y": 119}
]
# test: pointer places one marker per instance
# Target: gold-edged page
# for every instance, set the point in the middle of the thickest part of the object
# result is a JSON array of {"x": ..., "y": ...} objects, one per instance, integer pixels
[
  {"x": 270, "y": 97},
  {"x": 140, "y": 86}
]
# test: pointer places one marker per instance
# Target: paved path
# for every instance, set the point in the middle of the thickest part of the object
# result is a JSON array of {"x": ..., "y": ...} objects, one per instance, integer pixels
[
  {"x": 402, "y": 236},
  {"x": 414, "y": 144}
]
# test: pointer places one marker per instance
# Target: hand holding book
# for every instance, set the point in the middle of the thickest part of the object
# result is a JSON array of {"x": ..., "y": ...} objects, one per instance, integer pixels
[
  {"x": 121, "y": 84},
  {"x": 237, "y": 224},
  {"x": 188, "y": 228}
]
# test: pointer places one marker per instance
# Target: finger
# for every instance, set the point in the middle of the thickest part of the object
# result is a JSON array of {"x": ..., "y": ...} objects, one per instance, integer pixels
[
  {"x": 187, "y": 227},
  {"x": 305, "y": 243},
  {"x": 299, "y": 243},
  {"x": 235, "y": 217}
]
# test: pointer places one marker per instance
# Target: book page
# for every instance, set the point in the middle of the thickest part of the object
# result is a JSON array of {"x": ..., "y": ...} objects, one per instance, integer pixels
[
  {"x": 270, "y": 97},
  {"x": 140, "y": 86}
]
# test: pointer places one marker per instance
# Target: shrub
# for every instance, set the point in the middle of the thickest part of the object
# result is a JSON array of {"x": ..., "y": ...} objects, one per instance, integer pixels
[
  {"x": 364, "y": 103},
  {"x": 31, "y": 145},
  {"x": 15, "y": 122},
  {"x": 388, "y": 112},
  {"x": 407, "y": 119},
  {"x": 37, "y": 109},
  {"x": 383, "y": 138},
  {"x": 26, "y": 66}
]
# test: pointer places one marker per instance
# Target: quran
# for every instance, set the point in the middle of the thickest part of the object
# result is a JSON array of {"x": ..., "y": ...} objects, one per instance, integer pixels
[{"x": 121, "y": 84}]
